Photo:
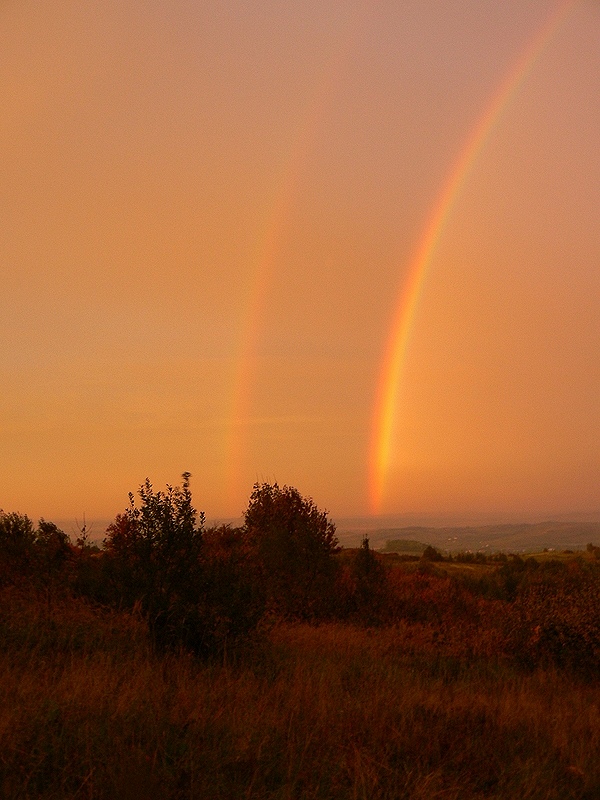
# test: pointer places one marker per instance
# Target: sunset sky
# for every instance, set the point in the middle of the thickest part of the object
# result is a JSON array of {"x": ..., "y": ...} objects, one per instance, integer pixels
[{"x": 214, "y": 234}]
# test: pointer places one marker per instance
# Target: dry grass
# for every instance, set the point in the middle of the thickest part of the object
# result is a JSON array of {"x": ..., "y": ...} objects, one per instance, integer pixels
[{"x": 88, "y": 711}]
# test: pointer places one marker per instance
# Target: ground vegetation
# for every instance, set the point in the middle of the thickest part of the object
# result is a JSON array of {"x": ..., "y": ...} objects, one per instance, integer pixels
[{"x": 167, "y": 664}]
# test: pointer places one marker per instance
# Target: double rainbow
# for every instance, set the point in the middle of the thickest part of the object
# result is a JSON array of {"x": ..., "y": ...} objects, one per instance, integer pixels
[{"x": 385, "y": 409}]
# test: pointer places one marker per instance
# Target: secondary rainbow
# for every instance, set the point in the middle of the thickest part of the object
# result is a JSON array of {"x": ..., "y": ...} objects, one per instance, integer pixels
[
  {"x": 268, "y": 244},
  {"x": 386, "y": 401}
]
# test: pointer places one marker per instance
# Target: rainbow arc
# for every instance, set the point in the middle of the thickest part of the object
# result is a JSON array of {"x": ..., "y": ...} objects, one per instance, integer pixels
[
  {"x": 386, "y": 401},
  {"x": 268, "y": 245}
]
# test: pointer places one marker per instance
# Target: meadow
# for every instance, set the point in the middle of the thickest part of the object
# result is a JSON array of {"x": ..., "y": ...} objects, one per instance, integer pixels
[
  {"x": 426, "y": 678},
  {"x": 89, "y": 710}
]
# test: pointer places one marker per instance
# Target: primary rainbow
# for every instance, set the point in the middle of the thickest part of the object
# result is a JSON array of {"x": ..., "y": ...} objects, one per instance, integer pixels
[{"x": 395, "y": 353}]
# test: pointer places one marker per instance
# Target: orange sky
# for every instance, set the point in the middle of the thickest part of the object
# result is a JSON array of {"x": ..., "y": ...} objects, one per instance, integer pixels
[{"x": 209, "y": 213}]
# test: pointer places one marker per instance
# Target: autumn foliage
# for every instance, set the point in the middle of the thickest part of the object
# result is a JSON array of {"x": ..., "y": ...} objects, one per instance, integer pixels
[
  {"x": 212, "y": 590},
  {"x": 262, "y": 661}
]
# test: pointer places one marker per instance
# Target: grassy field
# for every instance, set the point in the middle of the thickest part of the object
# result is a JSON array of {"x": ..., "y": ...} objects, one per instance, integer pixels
[{"x": 331, "y": 711}]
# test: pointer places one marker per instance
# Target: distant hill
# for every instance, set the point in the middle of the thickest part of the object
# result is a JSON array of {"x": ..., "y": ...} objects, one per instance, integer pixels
[
  {"x": 524, "y": 537},
  {"x": 560, "y": 534}
]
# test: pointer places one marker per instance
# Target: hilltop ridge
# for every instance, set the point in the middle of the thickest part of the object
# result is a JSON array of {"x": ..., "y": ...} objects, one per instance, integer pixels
[{"x": 520, "y": 537}]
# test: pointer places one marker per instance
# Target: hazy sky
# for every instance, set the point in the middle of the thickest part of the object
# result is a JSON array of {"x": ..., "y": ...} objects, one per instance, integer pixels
[{"x": 209, "y": 211}]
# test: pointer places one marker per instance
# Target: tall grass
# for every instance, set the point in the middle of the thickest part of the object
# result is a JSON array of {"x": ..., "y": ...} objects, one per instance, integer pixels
[{"x": 88, "y": 710}]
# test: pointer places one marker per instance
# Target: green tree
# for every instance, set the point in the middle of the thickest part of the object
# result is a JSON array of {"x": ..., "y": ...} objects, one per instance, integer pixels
[{"x": 293, "y": 543}]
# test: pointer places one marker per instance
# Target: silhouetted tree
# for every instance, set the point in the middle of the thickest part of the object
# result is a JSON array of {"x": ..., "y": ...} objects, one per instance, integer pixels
[
  {"x": 17, "y": 546},
  {"x": 53, "y": 543},
  {"x": 293, "y": 544},
  {"x": 154, "y": 560},
  {"x": 431, "y": 554},
  {"x": 38, "y": 555}
]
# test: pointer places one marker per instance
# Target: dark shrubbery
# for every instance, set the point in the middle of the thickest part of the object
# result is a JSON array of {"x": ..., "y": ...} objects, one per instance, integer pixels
[
  {"x": 232, "y": 598},
  {"x": 293, "y": 544},
  {"x": 198, "y": 588},
  {"x": 431, "y": 554},
  {"x": 17, "y": 547},
  {"x": 210, "y": 591},
  {"x": 153, "y": 560},
  {"x": 469, "y": 557},
  {"x": 362, "y": 589},
  {"x": 35, "y": 555},
  {"x": 555, "y": 618}
]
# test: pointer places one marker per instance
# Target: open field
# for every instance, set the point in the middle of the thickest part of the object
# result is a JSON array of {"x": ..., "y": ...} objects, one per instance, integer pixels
[{"x": 87, "y": 710}]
